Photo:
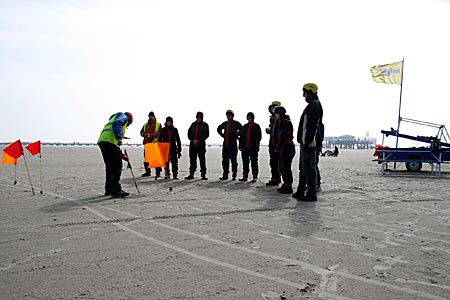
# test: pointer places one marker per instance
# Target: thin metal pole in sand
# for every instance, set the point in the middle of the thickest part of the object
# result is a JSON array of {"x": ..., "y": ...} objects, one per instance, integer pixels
[
  {"x": 40, "y": 170},
  {"x": 131, "y": 169},
  {"x": 15, "y": 173},
  {"x": 28, "y": 172},
  {"x": 399, "y": 110},
  {"x": 168, "y": 178}
]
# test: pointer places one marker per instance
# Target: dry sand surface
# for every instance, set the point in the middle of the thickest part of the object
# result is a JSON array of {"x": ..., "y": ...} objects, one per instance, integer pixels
[{"x": 367, "y": 237}]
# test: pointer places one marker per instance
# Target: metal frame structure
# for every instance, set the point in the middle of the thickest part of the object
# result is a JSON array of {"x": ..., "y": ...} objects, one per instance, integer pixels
[{"x": 436, "y": 154}]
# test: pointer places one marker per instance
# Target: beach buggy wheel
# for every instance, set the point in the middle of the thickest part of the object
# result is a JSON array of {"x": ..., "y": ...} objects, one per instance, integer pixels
[{"x": 414, "y": 166}]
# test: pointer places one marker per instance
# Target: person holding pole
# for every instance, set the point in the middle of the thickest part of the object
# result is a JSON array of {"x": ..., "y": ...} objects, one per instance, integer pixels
[{"x": 109, "y": 142}]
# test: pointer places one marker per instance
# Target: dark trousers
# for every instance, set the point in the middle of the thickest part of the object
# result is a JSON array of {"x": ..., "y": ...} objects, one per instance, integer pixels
[
  {"x": 308, "y": 172},
  {"x": 318, "y": 153},
  {"x": 250, "y": 155},
  {"x": 112, "y": 156},
  {"x": 147, "y": 169},
  {"x": 200, "y": 152},
  {"x": 229, "y": 154},
  {"x": 285, "y": 164},
  {"x": 273, "y": 163},
  {"x": 173, "y": 160}
]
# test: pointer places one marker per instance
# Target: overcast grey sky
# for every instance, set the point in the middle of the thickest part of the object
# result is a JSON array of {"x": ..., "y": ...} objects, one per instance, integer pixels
[{"x": 66, "y": 66}]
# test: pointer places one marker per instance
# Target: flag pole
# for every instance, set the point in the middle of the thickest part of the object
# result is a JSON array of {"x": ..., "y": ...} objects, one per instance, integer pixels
[
  {"x": 29, "y": 177},
  {"x": 399, "y": 108},
  {"x": 15, "y": 173},
  {"x": 40, "y": 169}
]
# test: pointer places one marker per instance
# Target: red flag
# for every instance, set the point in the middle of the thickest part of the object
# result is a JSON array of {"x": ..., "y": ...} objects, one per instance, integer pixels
[
  {"x": 14, "y": 150},
  {"x": 34, "y": 148}
]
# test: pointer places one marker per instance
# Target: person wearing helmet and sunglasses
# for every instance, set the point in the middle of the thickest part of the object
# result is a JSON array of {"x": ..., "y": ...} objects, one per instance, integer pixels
[
  {"x": 230, "y": 131},
  {"x": 285, "y": 148},
  {"x": 307, "y": 137},
  {"x": 109, "y": 142}
]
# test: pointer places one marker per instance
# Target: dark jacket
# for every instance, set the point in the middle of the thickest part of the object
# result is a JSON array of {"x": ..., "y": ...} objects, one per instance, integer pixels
[
  {"x": 272, "y": 131},
  {"x": 309, "y": 122},
  {"x": 170, "y": 135},
  {"x": 230, "y": 131},
  {"x": 198, "y": 131},
  {"x": 285, "y": 133},
  {"x": 250, "y": 136}
]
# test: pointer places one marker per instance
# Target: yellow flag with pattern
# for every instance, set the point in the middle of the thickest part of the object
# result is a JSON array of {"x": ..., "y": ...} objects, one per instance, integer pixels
[{"x": 390, "y": 73}]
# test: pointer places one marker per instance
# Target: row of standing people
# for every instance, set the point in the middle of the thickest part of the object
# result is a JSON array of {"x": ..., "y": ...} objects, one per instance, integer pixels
[{"x": 236, "y": 137}]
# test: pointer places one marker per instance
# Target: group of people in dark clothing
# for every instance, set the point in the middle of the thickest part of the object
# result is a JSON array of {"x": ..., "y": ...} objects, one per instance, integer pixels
[{"x": 236, "y": 137}]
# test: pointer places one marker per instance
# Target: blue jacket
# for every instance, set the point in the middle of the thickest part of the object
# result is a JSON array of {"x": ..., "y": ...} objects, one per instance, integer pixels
[{"x": 120, "y": 121}]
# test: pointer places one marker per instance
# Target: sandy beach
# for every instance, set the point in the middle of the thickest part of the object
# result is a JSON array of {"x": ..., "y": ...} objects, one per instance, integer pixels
[{"x": 367, "y": 237}]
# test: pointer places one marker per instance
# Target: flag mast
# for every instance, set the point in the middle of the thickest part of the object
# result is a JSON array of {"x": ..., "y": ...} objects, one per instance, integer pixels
[
  {"x": 40, "y": 166},
  {"x": 400, "y": 103},
  {"x": 399, "y": 109},
  {"x": 29, "y": 177}
]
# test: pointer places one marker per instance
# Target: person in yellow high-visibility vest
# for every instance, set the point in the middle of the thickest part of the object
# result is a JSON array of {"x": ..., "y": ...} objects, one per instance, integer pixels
[
  {"x": 109, "y": 142},
  {"x": 150, "y": 133}
]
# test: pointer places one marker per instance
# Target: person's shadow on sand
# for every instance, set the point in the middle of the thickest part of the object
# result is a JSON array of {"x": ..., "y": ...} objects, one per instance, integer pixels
[
  {"x": 305, "y": 219},
  {"x": 66, "y": 205}
]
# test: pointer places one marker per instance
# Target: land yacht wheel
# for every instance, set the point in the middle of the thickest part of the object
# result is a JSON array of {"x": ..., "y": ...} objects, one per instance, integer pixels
[{"x": 414, "y": 166}]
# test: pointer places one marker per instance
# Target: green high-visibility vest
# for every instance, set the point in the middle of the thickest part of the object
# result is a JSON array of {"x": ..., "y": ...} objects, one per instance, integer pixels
[
  {"x": 157, "y": 128},
  {"x": 107, "y": 134}
]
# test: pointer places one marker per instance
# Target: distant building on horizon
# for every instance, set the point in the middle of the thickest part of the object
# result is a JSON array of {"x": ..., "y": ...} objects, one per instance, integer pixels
[{"x": 349, "y": 142}]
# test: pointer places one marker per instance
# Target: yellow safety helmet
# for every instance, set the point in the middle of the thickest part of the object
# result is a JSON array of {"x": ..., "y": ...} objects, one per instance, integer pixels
[
  {"x": 311, "y": 87},
  {"x": 276, "y": 103}
]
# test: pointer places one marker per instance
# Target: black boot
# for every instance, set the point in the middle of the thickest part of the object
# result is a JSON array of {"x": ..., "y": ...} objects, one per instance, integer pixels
[
  {"x": 204, "y": 176},
  {"x": 285, "y": 189},
  {"x": 224, "y": 177},
  {"x": 299, "y": 194},
  {"x": 272, "y": 182},
  {"x": 190, "y": 176},
  {"x": 147, "y": 172},
  {"x": 308, "y": 197},
  {"x": 119, "y": 194}
]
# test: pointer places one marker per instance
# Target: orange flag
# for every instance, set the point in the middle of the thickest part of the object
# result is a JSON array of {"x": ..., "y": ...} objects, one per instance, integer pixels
[
  {"x": 156, "y": 154},
  {"x": 34, "y": 148},
  {"x": 14, "y": 150},
  {"x": 164, "y": 149},
  {"x": 8, "y": 160}
]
